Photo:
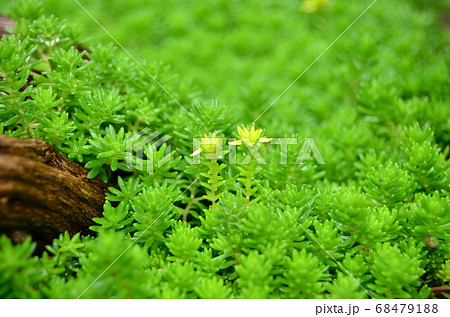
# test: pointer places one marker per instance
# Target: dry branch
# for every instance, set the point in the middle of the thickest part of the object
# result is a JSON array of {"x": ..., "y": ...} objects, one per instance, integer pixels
[{"x": 43, "y": 193}]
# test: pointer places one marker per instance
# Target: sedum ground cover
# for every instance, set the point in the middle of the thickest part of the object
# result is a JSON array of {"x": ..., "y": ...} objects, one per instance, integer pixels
[{"x": 339, "y": 191}]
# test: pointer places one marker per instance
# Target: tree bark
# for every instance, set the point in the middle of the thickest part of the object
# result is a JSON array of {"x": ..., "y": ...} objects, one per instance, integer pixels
[
  {"x": 5, "y": 23},
  {"x": 42, "y": 193}
]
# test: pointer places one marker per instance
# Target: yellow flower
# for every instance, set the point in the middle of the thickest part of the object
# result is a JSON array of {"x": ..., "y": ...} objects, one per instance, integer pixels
[
  {"x": 310, "y": 6},
  {"x": 212, "y": 145},
  {"x": 250, "y": 137}
]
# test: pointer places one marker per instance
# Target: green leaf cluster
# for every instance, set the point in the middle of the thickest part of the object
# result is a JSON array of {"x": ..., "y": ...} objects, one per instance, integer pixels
[{"x": 372, "y": 222}]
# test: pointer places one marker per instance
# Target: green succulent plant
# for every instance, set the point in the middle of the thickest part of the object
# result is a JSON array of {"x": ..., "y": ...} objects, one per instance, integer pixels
[{"x": 372, "y": 222}]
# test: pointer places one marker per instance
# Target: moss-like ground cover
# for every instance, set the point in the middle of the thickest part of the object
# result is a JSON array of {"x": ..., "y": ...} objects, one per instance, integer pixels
[{"x": 372, "y": 221}]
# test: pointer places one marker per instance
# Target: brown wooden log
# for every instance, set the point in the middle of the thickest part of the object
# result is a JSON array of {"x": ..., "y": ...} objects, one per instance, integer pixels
[
  {"x": 42, "y": 193},
  {"x": 5, "y": 23}
]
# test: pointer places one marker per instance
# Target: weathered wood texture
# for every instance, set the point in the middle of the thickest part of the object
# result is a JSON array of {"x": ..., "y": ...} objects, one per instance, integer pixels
[
  {"x": 5, "y": 23},
  {"x": 42, "y": 193}
]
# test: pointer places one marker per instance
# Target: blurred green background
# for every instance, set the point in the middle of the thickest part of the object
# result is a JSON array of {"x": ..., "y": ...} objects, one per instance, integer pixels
[{"x": 245, "y": 53}]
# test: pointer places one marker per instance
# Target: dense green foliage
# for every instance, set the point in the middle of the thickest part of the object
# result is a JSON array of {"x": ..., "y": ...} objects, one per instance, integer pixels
[{"x": 373, "y": 221}]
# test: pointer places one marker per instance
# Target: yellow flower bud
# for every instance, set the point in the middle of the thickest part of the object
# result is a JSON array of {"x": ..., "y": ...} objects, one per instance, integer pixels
[
  {"x": 310, "y": 6},
  {"x": 211, "y": 146},
  {"x": 252, "y": 136}
]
